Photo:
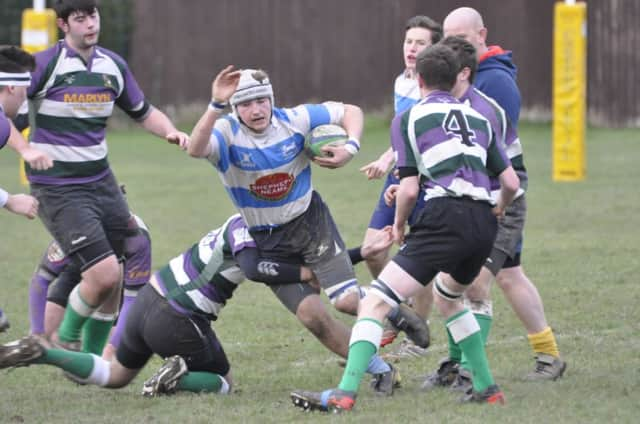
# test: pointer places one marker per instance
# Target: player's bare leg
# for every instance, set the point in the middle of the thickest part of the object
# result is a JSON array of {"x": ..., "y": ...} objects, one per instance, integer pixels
[
  {"x": 53, "y": 315},
  {"x": 96, "y": 286},
  {"x": 378, "y": 259},
  {"x": 333, "y": 334},
  {"x": 525, "y": 300}
]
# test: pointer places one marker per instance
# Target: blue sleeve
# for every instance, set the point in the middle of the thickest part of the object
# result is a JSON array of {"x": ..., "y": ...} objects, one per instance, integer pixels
[{"x": 318, "y": 115}]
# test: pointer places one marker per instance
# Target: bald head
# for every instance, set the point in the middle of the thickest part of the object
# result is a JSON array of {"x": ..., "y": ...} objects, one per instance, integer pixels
[{"x": 467, "y": 23}]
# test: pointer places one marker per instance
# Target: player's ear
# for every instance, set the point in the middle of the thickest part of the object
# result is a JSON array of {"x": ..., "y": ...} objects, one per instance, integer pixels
[
  {"x": 421, "y": 83},
  {"x": 64, "y": 27},
  {"x": 483, "y": 34}
]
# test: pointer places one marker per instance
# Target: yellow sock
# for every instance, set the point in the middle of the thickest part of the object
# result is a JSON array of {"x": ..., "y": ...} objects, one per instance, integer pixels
[{"x": 544, "y": 342}]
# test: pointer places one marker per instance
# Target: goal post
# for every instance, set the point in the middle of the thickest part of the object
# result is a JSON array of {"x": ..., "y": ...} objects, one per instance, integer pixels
[{"x": 569, "y": 91}]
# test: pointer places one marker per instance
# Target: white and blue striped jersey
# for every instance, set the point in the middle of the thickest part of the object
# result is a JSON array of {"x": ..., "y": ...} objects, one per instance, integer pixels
[
  {"x": 406, "y": 93},
  {"x": 268, "y": 175}
]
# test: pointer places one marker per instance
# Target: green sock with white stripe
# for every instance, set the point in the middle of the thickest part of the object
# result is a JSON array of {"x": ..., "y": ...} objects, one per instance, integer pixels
[
  {"x": 465, "y": 331},
  {"x": 86, "y": 368},
  {"x": 95, "y": 333},
  {"x": 485, "y": 322},
  {"x": 365, "y": 340},
  {"x": 75, "y": 315}
]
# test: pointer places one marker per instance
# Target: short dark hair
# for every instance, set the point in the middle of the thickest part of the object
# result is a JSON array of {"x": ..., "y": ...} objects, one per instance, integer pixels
[
  {"x": 438, "y": 66},
  {"x": 64, "y": 8},
  {"x": 465, "y": 52},
  {"x": 421, "y": 21},
  {"x": 15, "y": 60}
]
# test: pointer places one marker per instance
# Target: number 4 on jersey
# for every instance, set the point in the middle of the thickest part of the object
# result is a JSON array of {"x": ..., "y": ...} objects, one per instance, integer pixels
[{"x": 456, "y": 124}]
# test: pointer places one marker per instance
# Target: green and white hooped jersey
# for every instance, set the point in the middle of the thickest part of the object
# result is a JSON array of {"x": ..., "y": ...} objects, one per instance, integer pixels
[{"x": 203, "y": 278}]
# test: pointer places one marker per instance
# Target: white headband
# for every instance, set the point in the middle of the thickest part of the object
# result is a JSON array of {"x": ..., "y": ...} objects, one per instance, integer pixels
[{"x": 18, "y": 79}]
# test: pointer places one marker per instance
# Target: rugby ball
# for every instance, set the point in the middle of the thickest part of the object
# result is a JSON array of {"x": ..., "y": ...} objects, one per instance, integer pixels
[{"x": 324, "y": 135}]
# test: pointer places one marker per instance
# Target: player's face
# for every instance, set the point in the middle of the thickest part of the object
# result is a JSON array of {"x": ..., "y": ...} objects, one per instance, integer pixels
[
  {"x": 256, "y": 113},
  {"x": 82, "y": 29},
  {"x": 415, "y": 40},
  {"x": 18, "y": 95}
]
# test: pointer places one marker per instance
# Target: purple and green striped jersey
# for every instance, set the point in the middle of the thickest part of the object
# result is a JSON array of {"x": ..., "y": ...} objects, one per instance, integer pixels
[
  {"x": 5, "y": 128},
  {"x": 406, "y": 93},
  {"x": 452, "y": 146},
  {"x": 73, "y": 100},
  {"x": 268, "y": 175},
  {"x": 203, "y": 278},
  {"x": 505, "y": 132}
]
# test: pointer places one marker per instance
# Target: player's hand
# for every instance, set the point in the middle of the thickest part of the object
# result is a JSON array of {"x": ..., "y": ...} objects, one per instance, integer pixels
[
  {"x": 498, "y": 212},
  {"x": 335, "y": 157},
  {"x": 374, "y": 170},
  {"x": 378, "y": 168},
  {"x": 380, "y": 242},
  {"x": 314, "y": 283},
  {"x": 225, "y": 84},
  {"x": 22, "y": 204},
  {"x": 390, "y": 194},
  {"x": 36, "y": 159},
  {"x": 178, "y": 138}
]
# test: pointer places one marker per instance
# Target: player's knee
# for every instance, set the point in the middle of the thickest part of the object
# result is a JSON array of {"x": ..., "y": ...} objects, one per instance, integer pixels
[
  {"x": 347, "y": 303},
  {"x": 104, "y": 276},
  {"x": 446, "y": 291},
  {"x": 310, "y": 310},
  {"x": 345, "y": 296},
  {"x": 508, "y": 277}
]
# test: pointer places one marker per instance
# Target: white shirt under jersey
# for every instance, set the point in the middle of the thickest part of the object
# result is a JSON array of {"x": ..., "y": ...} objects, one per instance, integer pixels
[{"x": 268, "y": 175}]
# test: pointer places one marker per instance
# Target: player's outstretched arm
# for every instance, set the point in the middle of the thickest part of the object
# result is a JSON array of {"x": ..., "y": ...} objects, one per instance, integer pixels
[
  {"x": 159, "y": 124},
  {"x": 222, "y": 88}
]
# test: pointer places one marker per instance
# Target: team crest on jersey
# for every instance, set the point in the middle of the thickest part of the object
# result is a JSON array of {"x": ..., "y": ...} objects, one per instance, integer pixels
[
  {"x": 272, "y": 187},
  {"x": 245, "y": 161},
  {"x": 107, "y": 81},
  {"x": 55, "y": 253},
  {"x": 289, "y": 150}
]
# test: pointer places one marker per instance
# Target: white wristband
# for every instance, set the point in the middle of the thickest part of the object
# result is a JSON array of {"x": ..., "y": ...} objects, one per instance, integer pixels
[
  {"x": 352, "y": 146},
  {"x": 4, "y": 197}
]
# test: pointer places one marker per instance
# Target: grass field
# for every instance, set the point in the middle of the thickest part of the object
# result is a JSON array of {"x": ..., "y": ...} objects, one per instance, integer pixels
[{"x": 582, "y": 250}]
